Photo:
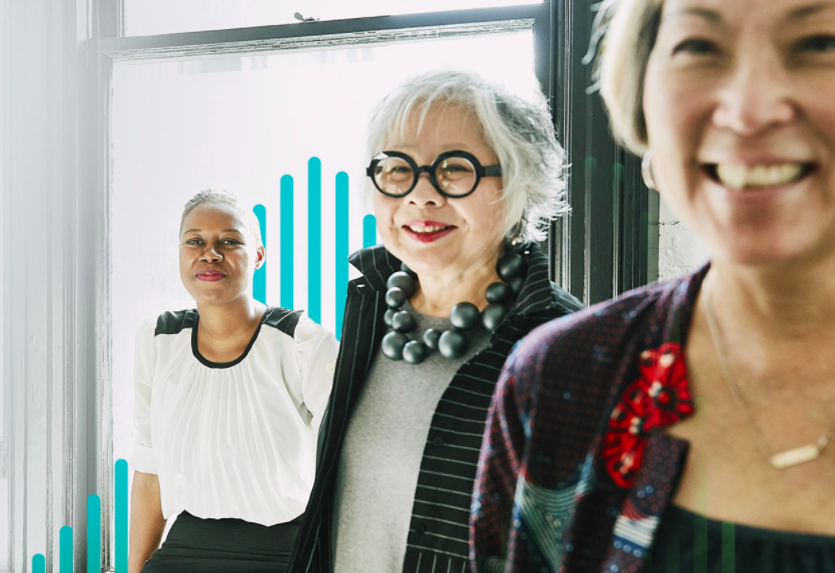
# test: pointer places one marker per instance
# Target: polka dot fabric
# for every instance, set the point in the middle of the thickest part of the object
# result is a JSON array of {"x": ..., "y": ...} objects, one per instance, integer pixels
[{"x": 586, "y": 396}]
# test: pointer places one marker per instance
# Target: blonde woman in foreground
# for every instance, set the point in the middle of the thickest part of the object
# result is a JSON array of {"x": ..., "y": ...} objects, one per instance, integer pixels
[{"x": 686, "y": 426}]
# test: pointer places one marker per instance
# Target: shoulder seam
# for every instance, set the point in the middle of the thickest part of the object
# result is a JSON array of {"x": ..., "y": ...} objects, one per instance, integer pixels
[{"x": 174, "y": 322}]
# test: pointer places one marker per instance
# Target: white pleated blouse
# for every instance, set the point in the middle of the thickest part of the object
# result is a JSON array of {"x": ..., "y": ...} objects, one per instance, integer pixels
[{"x": 238, "y": 439}]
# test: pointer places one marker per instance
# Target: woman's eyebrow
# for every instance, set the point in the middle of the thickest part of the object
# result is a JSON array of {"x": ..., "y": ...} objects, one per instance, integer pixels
[
  {"x": 711, "y": 16},
  {"x": 192, "y": 231},
  {"x": 811, "y": 10}
]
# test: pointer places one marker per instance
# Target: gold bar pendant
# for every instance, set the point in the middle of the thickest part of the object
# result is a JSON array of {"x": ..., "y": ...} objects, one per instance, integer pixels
[{"x": 796, "y": 456}]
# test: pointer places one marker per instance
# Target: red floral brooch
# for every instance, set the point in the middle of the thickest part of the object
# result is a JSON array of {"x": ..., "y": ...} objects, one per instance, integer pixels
[{"x": 658, "y": 398}]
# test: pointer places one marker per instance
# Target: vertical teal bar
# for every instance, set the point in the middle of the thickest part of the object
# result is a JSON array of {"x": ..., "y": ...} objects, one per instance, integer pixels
[
  {"x": 94, "y": 534},
  {"x": 369, "y": 231},
  {"x": 121, "y": 516},
  {"x": 342, "y": 250},
  {"x": 259, "y": 281},
  {"x": 674, "y": 552},
  {"x": 314, "y": 239},
  {"x": 700, "y": 562},
  {"x": 286, "y": 241},
  {"x": 38, "y": 564},
  {"x": 65, "y": 549},
  {"x": 728, "y": 547}
]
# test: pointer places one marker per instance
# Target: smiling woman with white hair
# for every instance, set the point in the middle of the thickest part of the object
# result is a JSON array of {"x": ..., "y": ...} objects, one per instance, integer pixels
[{"x": 464, "y": 176}]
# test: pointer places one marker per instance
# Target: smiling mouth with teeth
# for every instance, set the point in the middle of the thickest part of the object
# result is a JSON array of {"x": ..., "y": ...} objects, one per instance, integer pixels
[
  {"x": 427, "y": 230},
  {"x": 737, "y": 176}
]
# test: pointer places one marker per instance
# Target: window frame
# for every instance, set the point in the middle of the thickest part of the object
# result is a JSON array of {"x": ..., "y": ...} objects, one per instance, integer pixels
[
  {"x": 110, "y": 50},
  {"x": 594, "y": 257}
]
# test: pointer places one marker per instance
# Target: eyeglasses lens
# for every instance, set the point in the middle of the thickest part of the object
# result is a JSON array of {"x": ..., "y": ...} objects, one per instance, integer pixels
[
  {"x": 394, "y": 175},
  {"x": 455, "y": 176}
]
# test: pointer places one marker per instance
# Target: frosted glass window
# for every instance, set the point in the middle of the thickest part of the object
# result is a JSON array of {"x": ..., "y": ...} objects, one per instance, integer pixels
[
  {"x": 148, "y": 17},
  {"x": 244, "y": 124}
]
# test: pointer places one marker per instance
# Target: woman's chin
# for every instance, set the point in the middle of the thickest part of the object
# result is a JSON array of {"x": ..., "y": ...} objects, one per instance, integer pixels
[
  {"x": 427, "y": 262},
  {"x": 773, "y": 252}
]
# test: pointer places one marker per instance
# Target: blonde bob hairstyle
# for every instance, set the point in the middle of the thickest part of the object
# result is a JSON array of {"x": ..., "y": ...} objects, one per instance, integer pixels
[
  {"x": 519, "y": 130},
  {"x": 625, "y": 33}
]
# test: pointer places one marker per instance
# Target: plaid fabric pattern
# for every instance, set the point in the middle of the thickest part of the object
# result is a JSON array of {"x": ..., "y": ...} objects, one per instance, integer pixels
[{"x": 575, "y": 470}]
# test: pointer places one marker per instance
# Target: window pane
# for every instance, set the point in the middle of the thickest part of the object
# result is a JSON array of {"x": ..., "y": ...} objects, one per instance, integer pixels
[
  {"x": 4, "y": 388},
  {"x": 241, "y": 123},
  {"x": 148, "y": 17}
]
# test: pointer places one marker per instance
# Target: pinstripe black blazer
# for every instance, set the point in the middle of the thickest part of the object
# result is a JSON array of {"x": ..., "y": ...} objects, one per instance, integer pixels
[{"x": 438, "y": 533}]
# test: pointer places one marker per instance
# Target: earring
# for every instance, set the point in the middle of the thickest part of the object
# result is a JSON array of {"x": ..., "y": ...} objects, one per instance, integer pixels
[
  {"x": 514, "y": 237},
  {"x": 646, "y": 171}
]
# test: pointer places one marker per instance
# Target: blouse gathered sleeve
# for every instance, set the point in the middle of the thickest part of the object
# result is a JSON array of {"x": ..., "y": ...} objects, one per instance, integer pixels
[
  {"x": 501, "y": 460},
  {"x": 317, "y": 350},
  {"x": 143, "y": 373}
]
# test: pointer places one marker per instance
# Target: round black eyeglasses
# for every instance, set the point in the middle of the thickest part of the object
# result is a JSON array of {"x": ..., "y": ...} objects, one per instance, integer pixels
[{"x": 454, "y": 174}]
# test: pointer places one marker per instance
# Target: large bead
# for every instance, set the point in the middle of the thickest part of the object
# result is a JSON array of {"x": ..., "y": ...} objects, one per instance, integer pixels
[
  {"x": 515, "y": 284},
  {"x": 407, "y": 270},
  {"x": 415, "y": 352},
  {"x": 404, "y": 282},
  {"x": 403, "y": 321},
  {"x": 388, "y": 315},
  {"x": 393, "y": 344},
  {"x": 510, "y": 266},
  {"x": 498, "y": 292},
  {"x": 453, "y": 344},
  {"x": 492, "y": 316},
  {"x": 430, "y": 338},
  {"x": 464, "y": 315},
  {"x": 395, "y": 297}
]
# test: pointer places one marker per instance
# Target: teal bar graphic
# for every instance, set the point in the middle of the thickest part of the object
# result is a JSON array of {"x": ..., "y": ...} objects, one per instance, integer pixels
[
  {"x": 674, "y": 552},
  {"x": 38, "y": 564},
  {"x": 121, "y": 516},
  {"x": 728, "y": 547},
  {"x": 259, "y": 281},
  {"x": 314, "y": 239},
  {"x": 65, "y": 549},
  {"x": 342, "y": 248},
  {"x": 93, "y": 534},
  {"x": 369, "y": 231},
  {"x": 286, "y": 242}
]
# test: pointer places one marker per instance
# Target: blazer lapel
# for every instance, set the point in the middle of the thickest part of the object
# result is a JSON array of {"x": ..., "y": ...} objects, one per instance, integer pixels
[{"x": 646, "y": 502}]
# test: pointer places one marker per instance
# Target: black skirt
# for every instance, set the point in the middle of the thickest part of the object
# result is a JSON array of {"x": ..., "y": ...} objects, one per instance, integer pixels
[{"x": 223, "y": 545}]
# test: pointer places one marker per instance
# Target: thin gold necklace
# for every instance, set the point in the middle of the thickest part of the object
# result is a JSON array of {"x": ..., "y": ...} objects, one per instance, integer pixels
[{"x": 780, "y": 460}]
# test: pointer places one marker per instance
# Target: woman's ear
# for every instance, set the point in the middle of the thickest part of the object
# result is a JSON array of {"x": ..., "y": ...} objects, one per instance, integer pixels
[{"x": 260, "y": 257}]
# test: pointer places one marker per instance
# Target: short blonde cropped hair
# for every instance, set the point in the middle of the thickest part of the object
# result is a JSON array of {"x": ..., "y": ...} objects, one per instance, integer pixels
[
  {"x": 628, "y": 29},
  {"x": 221, "y": 197}
]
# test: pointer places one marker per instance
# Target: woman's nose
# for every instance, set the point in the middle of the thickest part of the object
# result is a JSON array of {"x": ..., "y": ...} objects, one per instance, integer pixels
[
  {"x": 425, "y": 194},
  {"x": 756, "y": 97},
  {"x": 211, "y": 254}
]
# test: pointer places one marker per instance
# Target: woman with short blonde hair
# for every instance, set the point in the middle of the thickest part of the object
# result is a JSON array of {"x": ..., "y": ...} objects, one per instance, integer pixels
[
  {"x": 229, "y": 399},
  {"x": 686, "y": 425}
]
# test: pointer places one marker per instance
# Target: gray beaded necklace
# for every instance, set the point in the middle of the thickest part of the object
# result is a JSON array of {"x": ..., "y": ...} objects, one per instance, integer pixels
[{"x": 452, "y": 343}]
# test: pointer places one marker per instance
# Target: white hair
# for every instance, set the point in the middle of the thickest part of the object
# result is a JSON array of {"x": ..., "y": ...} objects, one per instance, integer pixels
[{"x": 519, "y": 130}]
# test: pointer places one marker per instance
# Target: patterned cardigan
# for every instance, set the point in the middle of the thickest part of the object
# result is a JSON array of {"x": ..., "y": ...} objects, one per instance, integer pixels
[{"x": 576, "y": 469}]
